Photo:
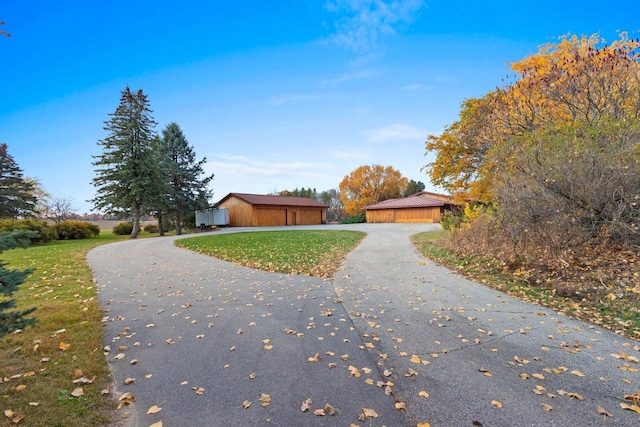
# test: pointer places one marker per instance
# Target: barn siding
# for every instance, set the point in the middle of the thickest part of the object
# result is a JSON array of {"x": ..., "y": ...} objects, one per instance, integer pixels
[{"x": 243, "y": 214}]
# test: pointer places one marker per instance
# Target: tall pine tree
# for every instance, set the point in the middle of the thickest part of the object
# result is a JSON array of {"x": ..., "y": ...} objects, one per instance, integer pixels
[
  {"x": 126, "y": 170},
  {"x": 187, "y": 188},
  {"x": 16, "y": 193}
]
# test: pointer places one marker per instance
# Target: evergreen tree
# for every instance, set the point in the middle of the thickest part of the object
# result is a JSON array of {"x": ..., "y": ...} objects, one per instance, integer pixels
[
  {"x": 187, "y": 189},
  {"x": 126, "y": 171},
  {"x": 9, "y": 281},
  {"x": 17, "y": 197},
  {"x": 413, "y": 187}
]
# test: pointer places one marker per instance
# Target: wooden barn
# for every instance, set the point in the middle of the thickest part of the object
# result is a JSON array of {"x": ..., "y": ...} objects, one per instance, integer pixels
[
  {"x": 419, "y": 207},
  {"x": 253, "y": 210}
]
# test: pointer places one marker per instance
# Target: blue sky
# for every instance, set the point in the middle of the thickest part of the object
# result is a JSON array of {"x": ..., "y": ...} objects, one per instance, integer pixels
[{"x": 276, "y": 94}]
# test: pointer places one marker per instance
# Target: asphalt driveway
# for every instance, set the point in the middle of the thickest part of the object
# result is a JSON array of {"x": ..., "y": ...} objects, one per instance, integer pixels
[{"x": 392, "y": 340}]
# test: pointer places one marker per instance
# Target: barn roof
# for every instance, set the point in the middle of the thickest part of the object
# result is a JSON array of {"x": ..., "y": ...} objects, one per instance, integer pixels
[
  {"x": 418, "y": 200},
  {"x": 259, "y": 199}
]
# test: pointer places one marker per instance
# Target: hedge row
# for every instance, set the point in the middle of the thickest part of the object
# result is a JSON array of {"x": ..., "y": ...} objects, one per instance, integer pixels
[{"x": 65, "y": 230}]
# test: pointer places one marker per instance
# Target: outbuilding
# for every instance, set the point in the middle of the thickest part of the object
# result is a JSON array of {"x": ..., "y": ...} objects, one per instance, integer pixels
[
  {"x": 419, "y": 207},
  {"x": 255, "y": 210}
]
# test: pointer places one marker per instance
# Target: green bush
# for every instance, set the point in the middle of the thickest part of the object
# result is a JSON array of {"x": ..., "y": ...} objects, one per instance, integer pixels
[
  {"x": 355, "y": 219},
  {"x": 68, "y": 230},
  {"x": 151, "y": 228},
  {"x": 453, "y": 219},
  {"x": 45, "y": 232},
  {"x": 123, "y": 228}
]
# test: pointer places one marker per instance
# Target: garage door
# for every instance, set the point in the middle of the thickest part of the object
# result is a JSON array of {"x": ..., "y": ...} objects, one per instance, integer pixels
[
  {"x": 271, "y": 217},
  {"x": 310, "y": 217}
]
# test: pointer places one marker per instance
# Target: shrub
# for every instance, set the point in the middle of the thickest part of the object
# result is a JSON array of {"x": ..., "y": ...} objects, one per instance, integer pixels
[
  {"x": 451, "y": 220},
  {"x": 355, "y": 219},
  {"x": 151, "y": 228},
  {"x": 68, "y": 230},
  {"x": 123, "y": 228},
  {"x": 45, "y": 232}
]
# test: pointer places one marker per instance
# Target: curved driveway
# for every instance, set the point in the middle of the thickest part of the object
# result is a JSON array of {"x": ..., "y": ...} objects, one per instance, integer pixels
[{"x": 201, "y": 337}]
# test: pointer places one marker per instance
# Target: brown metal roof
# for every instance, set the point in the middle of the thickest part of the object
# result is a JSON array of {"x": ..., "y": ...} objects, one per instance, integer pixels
[
  {"x": 259, "y": 199},
  {"x": 418, "y": 200}
]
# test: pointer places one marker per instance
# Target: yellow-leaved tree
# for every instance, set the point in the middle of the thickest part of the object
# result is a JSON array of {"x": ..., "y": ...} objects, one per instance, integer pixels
[
  {"x": 579, "y": 80},
  {"x": 556, "y": 150},
  {"x": 370, "y": 184}
]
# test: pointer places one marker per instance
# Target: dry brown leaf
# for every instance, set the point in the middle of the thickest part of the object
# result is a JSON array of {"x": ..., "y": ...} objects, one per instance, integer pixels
[
  {"x": 634, "y": 407},
  {"x": 546, "y": 407},
  {"x": 354, "y": 371},
  {"x": 370, "y": 413},
  {"x": 314, "y": 358},
  {"x": 401, "y": 406},
  {"x": 423, "y": 394},
  {"x": 129, "y": 381},
  {"x": 415, "y": 359},
  {"x": 265, "y": 399},
  {"x": 77, "y": 392},
  {"x": 64, "y": 346},
  {"x": 602, "y": 411},
  {"x": 575, "y": 395},
  {"x": 154, "y": 409},
  {"x": 156, "y": 424},
  {"x": 496, "y": 403},
  {"x": 252, "y": 376},
  {"x": 18, "y": 418},
  {"x": 246, "y": 404},
  {"x": 306, "y": 405},
  {"x": 577, "y": 373},
  {"x": 538, "y": 376},
  {"x": 9, "y": 413},
  {"x": 329, "y": 410},
  {"x": 423, "y": 425},
  {"x": 21, "y": 387}
]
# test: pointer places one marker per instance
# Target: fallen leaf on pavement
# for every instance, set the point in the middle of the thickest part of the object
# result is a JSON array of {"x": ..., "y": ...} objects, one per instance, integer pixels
[{"x": 154, "y": 409}]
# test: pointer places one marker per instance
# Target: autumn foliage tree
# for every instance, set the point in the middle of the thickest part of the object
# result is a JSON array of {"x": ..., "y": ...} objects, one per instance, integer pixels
[
  {"x": 556, "y": 149},
  {"x": 370, "y": 184}
]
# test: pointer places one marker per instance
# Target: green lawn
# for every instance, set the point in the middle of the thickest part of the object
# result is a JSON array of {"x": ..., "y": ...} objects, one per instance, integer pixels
[
  {"x": 37, "y": 368},
  {"x": 307, "y": 252}
]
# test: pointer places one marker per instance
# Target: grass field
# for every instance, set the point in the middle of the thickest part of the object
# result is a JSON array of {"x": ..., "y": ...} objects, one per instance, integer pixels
[
  {"x": 39, "y": 365},
  {"x": 306, "y": 252}
]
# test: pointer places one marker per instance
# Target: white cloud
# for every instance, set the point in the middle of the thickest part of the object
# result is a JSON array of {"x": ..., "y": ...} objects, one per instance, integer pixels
[
  {"x": 342, "y": 153},
  {"x": 416, "y": 86},
  {"x": 245, "y": 166},
  {"x": 367, "y": 20},
  {"x": 394, "y": 131},
  {"x": 279, "y": 100},
  {"x": 349, "y": 77}
]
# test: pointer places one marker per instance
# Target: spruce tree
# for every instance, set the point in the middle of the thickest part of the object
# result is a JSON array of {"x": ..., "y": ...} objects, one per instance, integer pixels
[
  {"x": 16, "y": 193},
  {"x": 9, "y": 281},
  {"x": 187, "y": 189},
  {"x": 126, "y": 170}
]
